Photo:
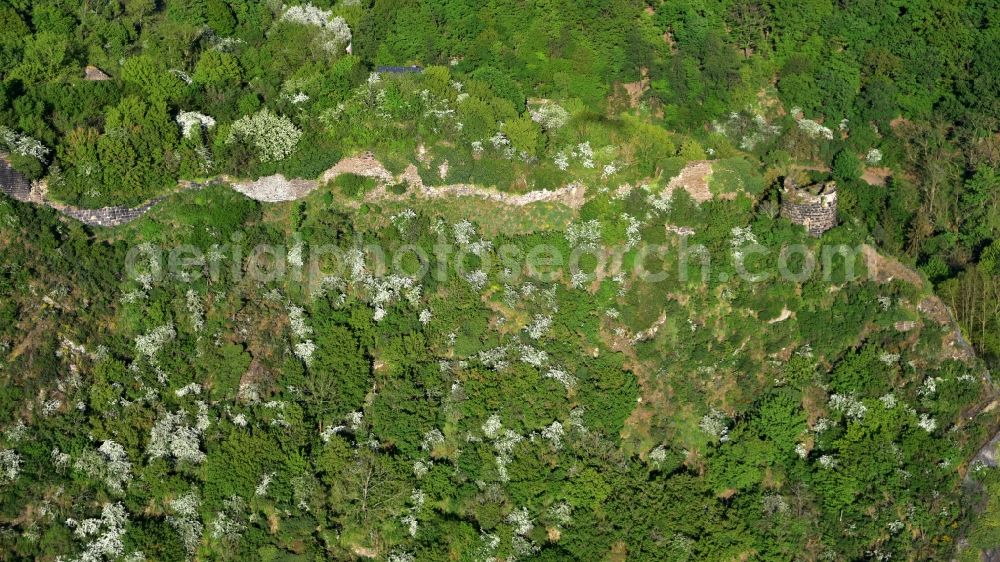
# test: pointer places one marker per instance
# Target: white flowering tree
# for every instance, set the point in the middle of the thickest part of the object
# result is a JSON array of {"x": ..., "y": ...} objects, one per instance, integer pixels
[
  {"x": 192, "y": 122},
  {"x": 550, "y": 116},
  {"x": 186, "y": 520},
  {"x": 172, "y": 436},
  {"x": 22, "y": 145},
  {"x": 10, "y": 466},
  {"x": 334, "y": 34},
  {"x": 273, "y": 137}
]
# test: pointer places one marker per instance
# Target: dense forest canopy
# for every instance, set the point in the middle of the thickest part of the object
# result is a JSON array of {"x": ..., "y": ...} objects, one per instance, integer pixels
[{"x": 502, "y": 404}]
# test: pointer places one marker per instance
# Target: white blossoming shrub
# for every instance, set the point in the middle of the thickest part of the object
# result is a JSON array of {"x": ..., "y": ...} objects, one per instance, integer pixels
[
  {"x": 561, "y": 161},
  {"x": 888, "y": 358},
  {"x": 195, "y": 309},
  {"x": 851, "y": 407},
  {"x": 230, "y": 523},
  {"x": 335, "y": 33},
  {"x": 584, "y": 235},
  {"x": 585, "y": 153},
  {"x": 534, "y": 357},
  {"x": 108, "y": 532},
  {"x": 16, "y": 432},
  {"x": 191, "y": 121},
  {"x": 564, "y": 378},
  {"x": 295, "y": 254},
  {"x": 22, "y": 145},
  {"x": 632, "y": 228},
  {"x": 425, "y": 316},
  {"x": 741, "y": 236},
  {"x": 421, "y": 468},
  {"x": 521, "y": 521},
  {"x": 539, "y": 326},
  {"x": 491, "y": 429},
  {"x": 186, "y": 520},
  {"x": 111, "y": 465},
  {"x": 273, "y": 136},
  {"x": 715, "y": 424},
  {"x": 554, "y": 433},
  {"x": 550, "y": 116},
  {"x": 307, "y": 14},
  {"x": 561, "y": 513},
  {"x": 150, "y": 344},
  {"x": 477, "y": 279},
  {"x": 927, "y": 423},
  {"x": 304, "y": 351},
  {"x": 411, "y": 523},
  {"x": 504, "y": 447},
  {"x": 747, "y": 127},
  {"x": 10, "y": 466},
  {"x": 171, "y": 436},
  {"x": 814, "y": 129},
  {"x": 432, "y": 438},
  {"x": 60, "y": 460},
  {"x": 657, "y": 456}
]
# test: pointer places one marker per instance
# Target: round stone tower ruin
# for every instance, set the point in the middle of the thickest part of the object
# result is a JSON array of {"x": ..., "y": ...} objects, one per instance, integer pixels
[
  {"x": 12, "y": 182},
  {"x": 813, "y": 206}
]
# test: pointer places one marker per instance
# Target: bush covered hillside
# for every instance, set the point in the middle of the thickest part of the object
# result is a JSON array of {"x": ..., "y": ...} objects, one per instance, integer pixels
[{"x": 492, "y": 281}]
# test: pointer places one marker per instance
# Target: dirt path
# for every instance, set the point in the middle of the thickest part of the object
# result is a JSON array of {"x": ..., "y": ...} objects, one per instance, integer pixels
[{"x": 277, "y": 188}]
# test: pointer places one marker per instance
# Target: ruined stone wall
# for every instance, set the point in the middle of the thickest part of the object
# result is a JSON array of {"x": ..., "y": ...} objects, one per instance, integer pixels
[
  {"x": 16, "y": 186},
  {"x": 814, "y": 207},
  {"x": 13, "y": 183},
  {"x": 816, "y": 216},
  {"x": 109, "y": 216}
]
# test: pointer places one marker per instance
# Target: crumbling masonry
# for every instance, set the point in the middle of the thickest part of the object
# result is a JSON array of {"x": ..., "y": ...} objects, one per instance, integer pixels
[{"x": 813, "y": 206}]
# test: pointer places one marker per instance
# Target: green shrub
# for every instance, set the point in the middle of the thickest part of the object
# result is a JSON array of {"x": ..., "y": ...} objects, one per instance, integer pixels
[{"x": 353, "y": 185}]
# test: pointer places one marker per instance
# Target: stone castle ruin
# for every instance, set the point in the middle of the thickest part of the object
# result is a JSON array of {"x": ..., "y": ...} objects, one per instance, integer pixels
[
  {"x": 812, "y": 206},
  {"x": 16, "y": 186},
  {"x": 12, "y": 182}
]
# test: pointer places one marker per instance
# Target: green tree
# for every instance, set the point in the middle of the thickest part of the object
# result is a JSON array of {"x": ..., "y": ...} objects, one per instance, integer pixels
[
  {"x": 524, "y": 134},
  {"x": 218, "y": 69},
  {"x": 846, "y": 166},
  {"x": 220, "y": 17}
]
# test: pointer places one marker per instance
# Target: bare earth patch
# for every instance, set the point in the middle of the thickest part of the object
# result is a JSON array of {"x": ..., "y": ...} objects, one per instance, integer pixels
[
  {"x": 884, "y": 269},
  {"x": 785, "y": 315},
  {"x": 693, "y": 179},
  {"x": 876, "y": 176}
]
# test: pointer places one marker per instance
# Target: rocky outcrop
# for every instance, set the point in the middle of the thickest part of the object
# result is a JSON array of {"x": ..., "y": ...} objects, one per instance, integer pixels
[
  {"x": 276, "y": 188},
  {"x": 94, "y": 74}
]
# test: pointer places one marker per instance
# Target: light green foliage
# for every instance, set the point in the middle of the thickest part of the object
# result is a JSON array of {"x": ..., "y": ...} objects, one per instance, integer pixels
[
  {"x": 490, "y": 410},
  {"x": 152, "y": 79},
  {"x": 523, "y": 134},
  {"x": 217, "y": 69}
]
